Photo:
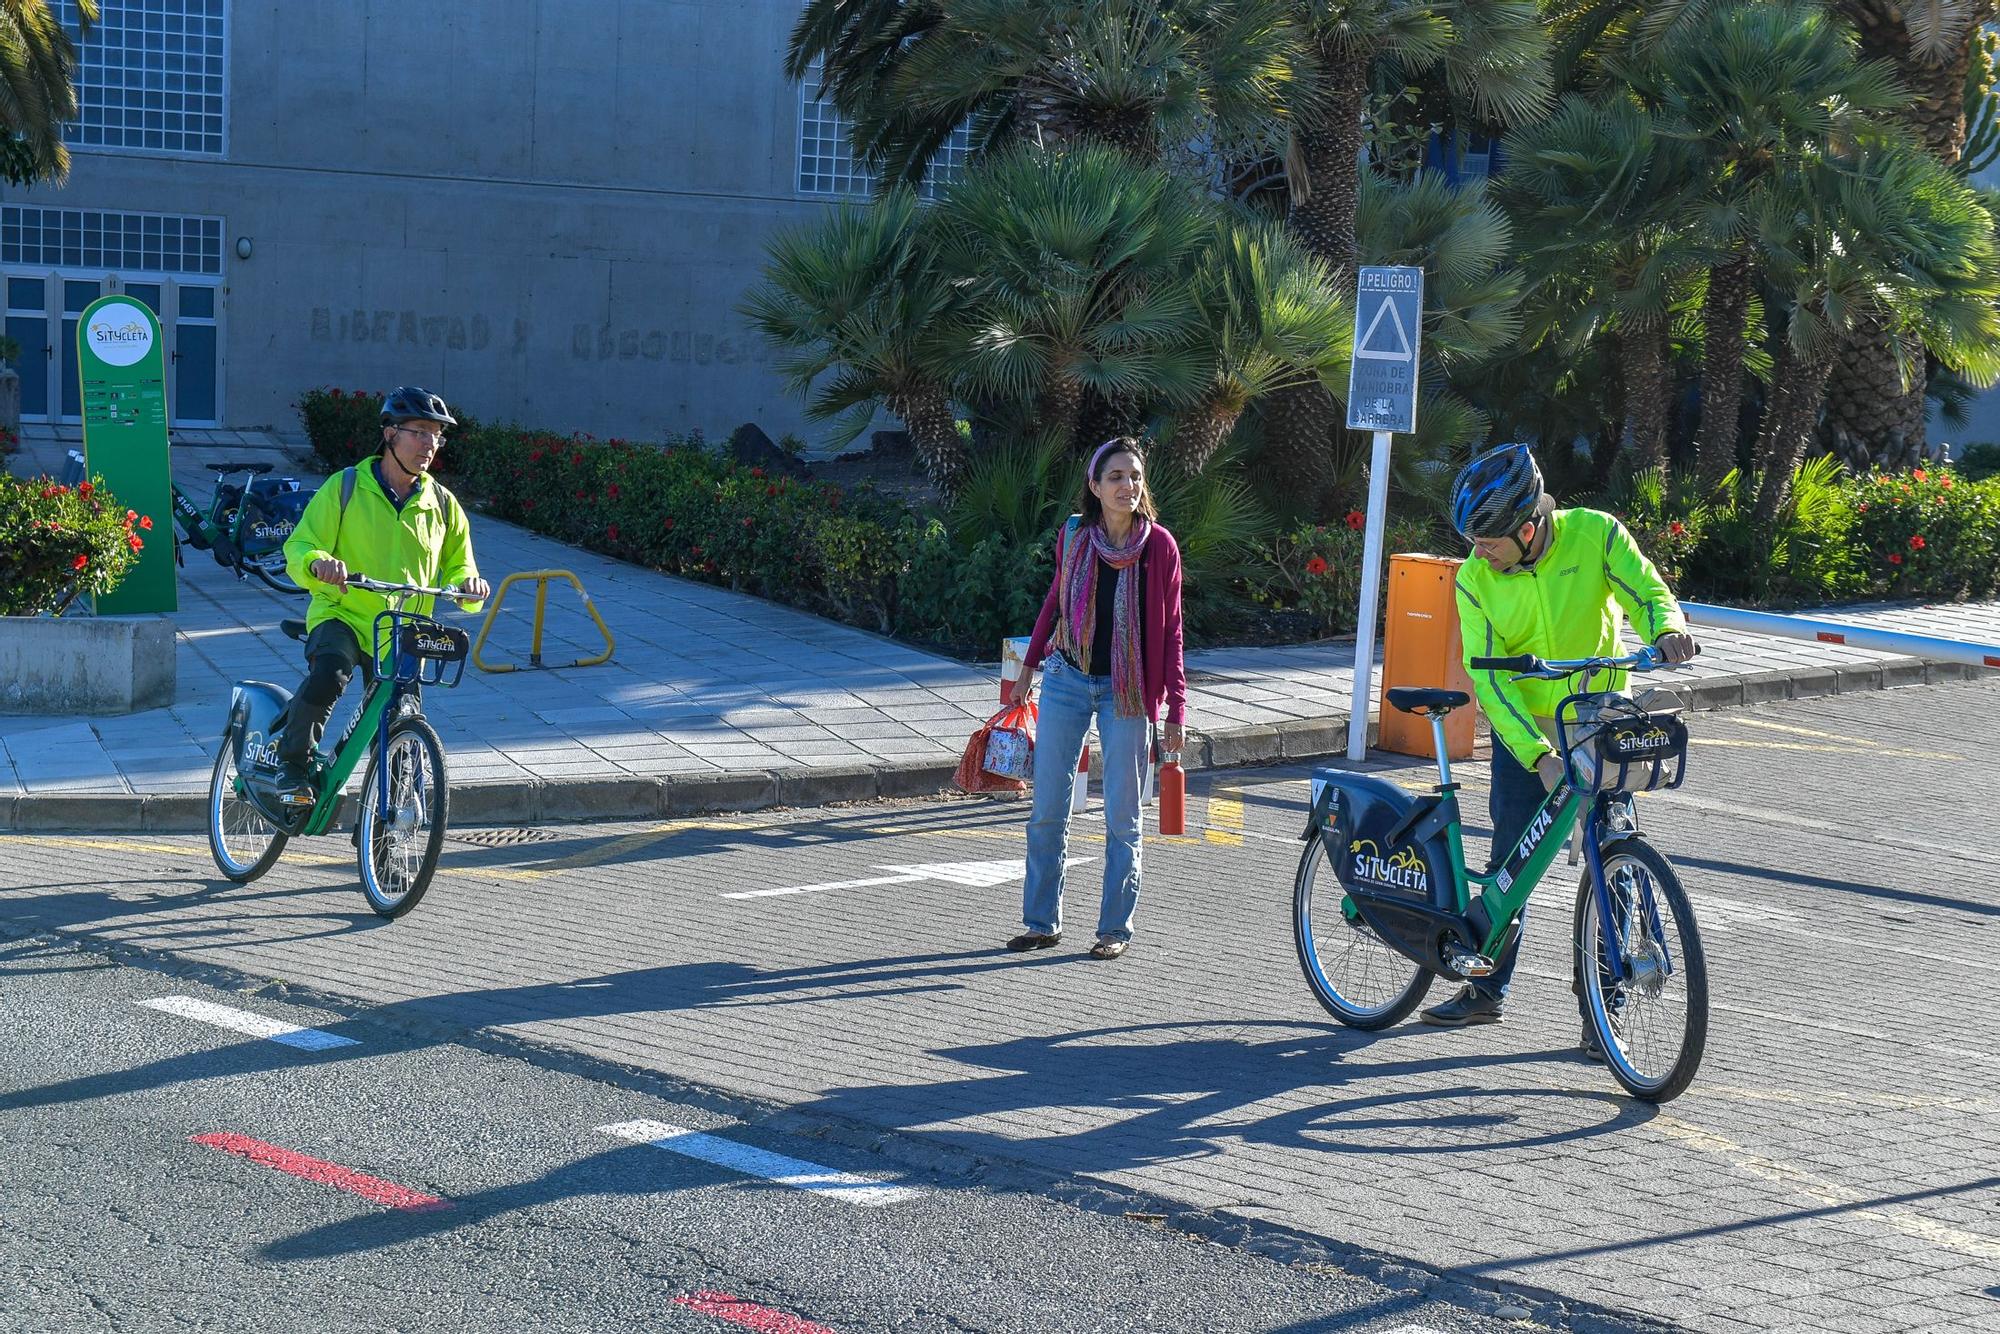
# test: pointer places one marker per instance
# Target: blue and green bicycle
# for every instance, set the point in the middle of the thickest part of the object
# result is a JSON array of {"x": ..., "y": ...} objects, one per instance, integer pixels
[
  {"x": 1401, "y": 907},
  {"x": 404, "y": 802}
]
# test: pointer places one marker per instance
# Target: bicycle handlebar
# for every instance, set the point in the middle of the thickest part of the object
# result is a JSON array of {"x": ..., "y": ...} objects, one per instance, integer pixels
[
  {"x": 362, "y": 581},
  {"x": 1525, "y": 666}
]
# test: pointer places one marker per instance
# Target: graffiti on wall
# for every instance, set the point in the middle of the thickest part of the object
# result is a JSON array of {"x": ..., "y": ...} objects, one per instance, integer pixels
[
  {"x": 698, "y": 346},
  {"x": 411, "y": 328}
]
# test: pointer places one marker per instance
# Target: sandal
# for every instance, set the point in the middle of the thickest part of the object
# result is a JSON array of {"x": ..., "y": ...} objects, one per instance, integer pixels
[
  {"x": 1108, "y": 947},
  {"x": 1033, "y": 940}
]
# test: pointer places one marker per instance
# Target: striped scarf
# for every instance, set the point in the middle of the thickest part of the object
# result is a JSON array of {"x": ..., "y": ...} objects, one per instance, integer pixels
[{"x": 1079, "y": 610}]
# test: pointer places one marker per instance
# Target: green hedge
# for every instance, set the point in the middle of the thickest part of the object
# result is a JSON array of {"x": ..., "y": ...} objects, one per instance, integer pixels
[{"x": 60, "y": 542}]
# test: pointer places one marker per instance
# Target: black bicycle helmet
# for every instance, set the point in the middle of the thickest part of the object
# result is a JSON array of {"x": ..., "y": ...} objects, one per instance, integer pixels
[
  {"x": 411, "y": 404},
  {"x": 1496, "y": 493}
]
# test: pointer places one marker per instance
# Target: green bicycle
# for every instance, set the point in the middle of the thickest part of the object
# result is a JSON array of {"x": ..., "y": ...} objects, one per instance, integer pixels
[
  {"x": 405, "y": 797},
  {"x": 245, "y": 526},
  {"x": 1402, "y": 910}
]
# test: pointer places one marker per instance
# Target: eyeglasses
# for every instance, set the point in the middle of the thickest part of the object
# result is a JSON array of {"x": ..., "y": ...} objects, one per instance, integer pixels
[{"x": 437, "y": 436}]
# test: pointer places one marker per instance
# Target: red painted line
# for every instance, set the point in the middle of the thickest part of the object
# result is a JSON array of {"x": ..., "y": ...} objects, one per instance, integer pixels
[
  {"x": 327, "y": 1174},
  {"x": 748, "y": 1314},
  {"x": 1829, "y": 637}
]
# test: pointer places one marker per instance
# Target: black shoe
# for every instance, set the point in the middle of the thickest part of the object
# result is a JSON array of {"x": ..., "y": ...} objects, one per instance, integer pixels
[
  {"x": 1591, "y": 1048},
  {"x": 1470, "y": 1006},
  {"x": 290, "y": 787},
  {"x": 1033, "y": 940}
]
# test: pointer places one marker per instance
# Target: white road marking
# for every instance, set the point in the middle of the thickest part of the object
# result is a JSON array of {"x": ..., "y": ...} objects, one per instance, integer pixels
[
  {"x": 242, "y": 1021},
  {"x": 752, "y": 1161},
  {"x": 973, "y": 875}
]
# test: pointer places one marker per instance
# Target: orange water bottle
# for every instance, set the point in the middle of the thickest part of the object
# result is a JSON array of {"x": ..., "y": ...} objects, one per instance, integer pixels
[{"x": 1173, "y": 795}]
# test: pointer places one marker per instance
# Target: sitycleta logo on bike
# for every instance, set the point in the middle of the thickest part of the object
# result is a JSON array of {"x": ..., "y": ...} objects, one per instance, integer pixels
[{"x": 1402, "y": 869}]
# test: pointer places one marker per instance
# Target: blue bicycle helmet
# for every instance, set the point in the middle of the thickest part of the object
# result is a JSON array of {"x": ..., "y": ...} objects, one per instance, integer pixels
[{"x": 1496, "y": 493}]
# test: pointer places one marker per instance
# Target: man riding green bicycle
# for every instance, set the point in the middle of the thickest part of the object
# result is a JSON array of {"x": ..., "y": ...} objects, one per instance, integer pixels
[
  {"x": 386, "y": 517},
  {"x": 1554, "y": 583}
]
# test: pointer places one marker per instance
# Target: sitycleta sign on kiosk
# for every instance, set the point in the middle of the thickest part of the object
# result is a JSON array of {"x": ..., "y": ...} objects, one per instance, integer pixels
[{"x": 121, "y": 364}]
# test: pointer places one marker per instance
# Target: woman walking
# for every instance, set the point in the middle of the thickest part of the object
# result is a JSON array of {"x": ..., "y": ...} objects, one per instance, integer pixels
[{"x": 1113, "y": 616}]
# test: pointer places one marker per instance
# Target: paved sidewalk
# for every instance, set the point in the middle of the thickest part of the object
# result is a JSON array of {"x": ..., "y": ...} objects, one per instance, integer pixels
[{"x": 716, "y": 700}]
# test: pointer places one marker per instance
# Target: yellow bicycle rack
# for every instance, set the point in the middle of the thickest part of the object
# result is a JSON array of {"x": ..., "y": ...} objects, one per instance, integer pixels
[{"x": 541, "y": 578}]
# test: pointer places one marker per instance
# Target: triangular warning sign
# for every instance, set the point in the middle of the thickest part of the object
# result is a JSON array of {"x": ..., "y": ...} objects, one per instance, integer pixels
[{"x": 1394, "y": 341}]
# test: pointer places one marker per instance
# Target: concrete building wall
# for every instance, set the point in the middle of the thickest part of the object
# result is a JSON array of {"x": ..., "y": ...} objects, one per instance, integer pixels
[{"x": 547, "y": 210}]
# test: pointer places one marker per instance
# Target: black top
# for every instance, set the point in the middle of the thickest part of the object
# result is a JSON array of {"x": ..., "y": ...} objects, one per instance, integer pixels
[{"x": 1107, "y": 617}]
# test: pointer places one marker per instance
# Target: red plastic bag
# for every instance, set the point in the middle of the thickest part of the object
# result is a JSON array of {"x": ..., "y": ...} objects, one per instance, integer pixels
[{"x": 973, "y": 775}]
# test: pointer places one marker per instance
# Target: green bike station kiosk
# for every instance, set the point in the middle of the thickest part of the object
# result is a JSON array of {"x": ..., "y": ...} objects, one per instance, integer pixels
[{"x": 124, "y": 393}]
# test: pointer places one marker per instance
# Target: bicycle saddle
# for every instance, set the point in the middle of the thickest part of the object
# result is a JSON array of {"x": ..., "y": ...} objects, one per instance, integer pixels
[
  {"x": 1426, "y": 699},
  {"x": 240, "y": 465},
  {"x": 294, "y": 628}
]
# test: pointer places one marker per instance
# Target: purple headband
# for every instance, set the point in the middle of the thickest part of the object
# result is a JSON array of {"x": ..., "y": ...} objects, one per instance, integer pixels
[{"x": 1115, "y": 444}]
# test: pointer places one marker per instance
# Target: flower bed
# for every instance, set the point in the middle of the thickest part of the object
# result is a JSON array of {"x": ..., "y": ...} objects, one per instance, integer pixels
[{"x": 60, "y": 542}]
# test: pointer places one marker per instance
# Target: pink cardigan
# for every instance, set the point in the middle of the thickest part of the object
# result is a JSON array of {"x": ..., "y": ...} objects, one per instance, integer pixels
[{"x": 1166, "y": 674}]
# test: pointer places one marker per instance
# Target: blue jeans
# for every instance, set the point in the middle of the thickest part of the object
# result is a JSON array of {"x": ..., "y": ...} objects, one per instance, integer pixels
[
  {"x": 1070, "y": 699},
  {"x": 1516, "y": 795}
]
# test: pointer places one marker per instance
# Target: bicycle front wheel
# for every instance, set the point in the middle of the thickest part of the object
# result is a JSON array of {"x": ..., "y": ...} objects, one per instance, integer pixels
[
  {"x": 399, "y": 847},
  {"x": 1652, "y": 1023},
  {"x": 243, "y": 842},
  {"x": 1361, "y": 979},
  {"x": 271, "y": 569}
]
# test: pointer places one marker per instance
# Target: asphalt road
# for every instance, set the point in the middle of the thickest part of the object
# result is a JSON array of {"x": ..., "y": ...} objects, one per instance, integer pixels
[{"x": 827, "y": 984}]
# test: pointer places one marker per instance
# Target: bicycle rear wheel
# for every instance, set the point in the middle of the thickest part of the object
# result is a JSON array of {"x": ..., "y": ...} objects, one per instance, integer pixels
[
  {"x": 243, "y": 842},
  {"x": 1654, "y": 1024},
  {"x": 1359, "y": 978},
  {"x": 399, "y": 853}
]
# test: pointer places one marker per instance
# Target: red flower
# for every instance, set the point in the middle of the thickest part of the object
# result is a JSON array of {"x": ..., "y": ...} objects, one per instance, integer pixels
[
  {"x": 696, "y": 552},
  {"x": 668, "y": 523},
  {"x": 146, "y": 522},
  {"x": 527, "y": 505},
  {"x": 1677, "y": 528},
  {"x": 576, "y": 459},
  {"x": 534, "y": 456},
  {"x": 611, "y": 531},
  {"x": 756, "y": 472},
  {"x": 1917, "y": 543},
  {"x": 334, "y": 392},
  {"x": 1895, "y": 559},
  {"x": 1919, "y": 474},
  {"x": 134, "y": 542},
  {"x": 1356, "y": 520},
  {"x": 771, "y": 490},
  {"x": 79, "y": 562},
  {"x": 84, "y": 489},
  {"x": 1945, "y": 482},
  {"x": 131, "y": 517},
  {"x": 749, "y": 523},
  {"x": 1317, "y": 565},
  {"x": 1863, "y": 507},
  {"x": 612, "y": 491}
]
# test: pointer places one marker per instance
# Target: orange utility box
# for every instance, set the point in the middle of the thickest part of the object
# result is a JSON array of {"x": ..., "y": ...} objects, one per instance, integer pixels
[{"x": 1420, "y": 647}]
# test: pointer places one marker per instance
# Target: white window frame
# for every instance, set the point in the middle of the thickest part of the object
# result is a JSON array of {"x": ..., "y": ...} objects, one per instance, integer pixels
[{"x": 78, "y": 133}]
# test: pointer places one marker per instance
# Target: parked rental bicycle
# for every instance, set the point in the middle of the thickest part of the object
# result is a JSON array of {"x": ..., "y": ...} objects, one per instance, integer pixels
[
  {"x": 1402, "y": 909},
  {"x": 404, "y": 801},
  {"x": 244, "y": 526}
]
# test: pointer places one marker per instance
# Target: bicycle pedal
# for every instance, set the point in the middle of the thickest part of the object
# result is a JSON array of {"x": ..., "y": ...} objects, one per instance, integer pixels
[{"x": 1467, "y": 964}]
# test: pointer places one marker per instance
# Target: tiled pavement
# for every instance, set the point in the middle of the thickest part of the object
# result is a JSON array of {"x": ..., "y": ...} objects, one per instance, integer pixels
[{"x": 716, "y": 699}]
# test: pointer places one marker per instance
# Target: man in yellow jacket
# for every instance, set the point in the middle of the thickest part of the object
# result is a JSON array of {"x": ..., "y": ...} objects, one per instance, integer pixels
[
  {"x": 386, "y": 518},
  {"x": 1555, "y": 583}
]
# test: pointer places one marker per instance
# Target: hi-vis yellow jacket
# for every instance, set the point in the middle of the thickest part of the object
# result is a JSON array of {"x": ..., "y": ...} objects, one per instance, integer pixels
[
  {"x": 427, "y": 542},
  {"x": 1568, "y": 605}
]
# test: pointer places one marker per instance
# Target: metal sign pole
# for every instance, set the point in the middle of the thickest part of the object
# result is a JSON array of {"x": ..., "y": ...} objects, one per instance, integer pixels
[
  {"x": 1371, "y": 585},
  {"x": 1381, "y": 398}
]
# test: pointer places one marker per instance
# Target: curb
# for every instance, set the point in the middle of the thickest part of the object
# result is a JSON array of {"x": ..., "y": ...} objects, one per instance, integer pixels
[{"x": 536, "y": 801}]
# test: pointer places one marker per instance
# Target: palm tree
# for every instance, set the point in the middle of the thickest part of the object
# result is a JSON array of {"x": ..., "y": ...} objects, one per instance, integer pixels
[
  {"x": 1760, "y": 90},
  {"x": 1271, "y": 318},
  {"x": 1077, "y": 276},
  {"x": 1607, "y": 190},
  {"x": 1134, "y": 73},
  {"x": 1885, "y": 233},
  {"x": 37, "y": 88},
  {"x": 856, "y": 301},
  {"x": 1876, "y": 408},
  {"x": 1491, "y": 56}
]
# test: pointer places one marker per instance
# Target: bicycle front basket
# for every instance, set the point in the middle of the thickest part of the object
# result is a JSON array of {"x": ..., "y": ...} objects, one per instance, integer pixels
[
  {"x": 1642, "y": 754},
  {"x": 436, "y": 652}
]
